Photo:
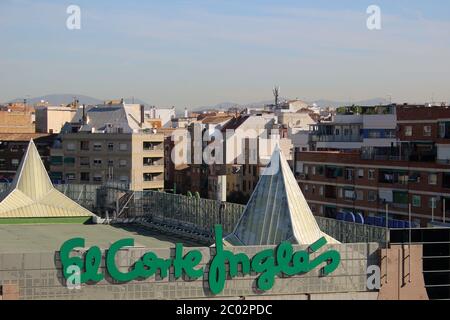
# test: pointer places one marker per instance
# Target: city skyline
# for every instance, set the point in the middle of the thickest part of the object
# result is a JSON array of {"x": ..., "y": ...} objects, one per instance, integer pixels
[{"x": 198, "y": 53}]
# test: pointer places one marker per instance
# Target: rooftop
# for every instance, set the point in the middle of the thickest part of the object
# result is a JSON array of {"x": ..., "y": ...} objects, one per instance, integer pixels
[
  {"x": 50, "y": 237},
  {"x": 24, "y": 136}
]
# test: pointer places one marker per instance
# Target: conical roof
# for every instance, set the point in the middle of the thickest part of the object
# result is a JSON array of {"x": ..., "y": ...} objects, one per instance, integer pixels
[
  {"x": 32, "y": 194},
  {"x": 277, "y": 211}
]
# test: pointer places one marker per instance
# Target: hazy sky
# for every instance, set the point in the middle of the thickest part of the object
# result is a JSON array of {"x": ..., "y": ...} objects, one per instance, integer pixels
[{"x": 193, "y": 53}]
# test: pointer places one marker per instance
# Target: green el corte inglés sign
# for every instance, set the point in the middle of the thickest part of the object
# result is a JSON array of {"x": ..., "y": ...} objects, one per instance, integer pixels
[{"x": 268, "y": 263}]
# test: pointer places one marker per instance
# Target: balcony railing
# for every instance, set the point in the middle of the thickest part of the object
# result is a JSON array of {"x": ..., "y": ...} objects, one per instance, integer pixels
[{"x": 330, "y": 138}]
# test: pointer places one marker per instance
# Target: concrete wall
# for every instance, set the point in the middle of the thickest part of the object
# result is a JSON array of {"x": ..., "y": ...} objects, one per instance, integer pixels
[{"x": 51, "y": 119}]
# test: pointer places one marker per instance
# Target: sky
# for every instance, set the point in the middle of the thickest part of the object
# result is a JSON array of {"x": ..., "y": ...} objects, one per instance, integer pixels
[{"x": 199, "y": 53}]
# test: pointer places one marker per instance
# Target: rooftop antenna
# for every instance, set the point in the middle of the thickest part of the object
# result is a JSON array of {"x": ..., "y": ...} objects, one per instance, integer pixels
[
  {"x": 25, "y": 100},
  {"x": 75, "y": 102},
  {"x": 276, "y": 94}
]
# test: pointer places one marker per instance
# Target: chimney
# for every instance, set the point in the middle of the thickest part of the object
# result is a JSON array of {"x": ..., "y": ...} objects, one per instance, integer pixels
[
  {"x": 142, "y": 115},
  {"x": 84, "y": 114}
]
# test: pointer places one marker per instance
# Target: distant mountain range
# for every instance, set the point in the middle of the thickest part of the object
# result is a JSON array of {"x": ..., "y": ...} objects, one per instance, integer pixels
[
  {"x": 58, "y": 99},
  {"x": 320, "y": 103}
]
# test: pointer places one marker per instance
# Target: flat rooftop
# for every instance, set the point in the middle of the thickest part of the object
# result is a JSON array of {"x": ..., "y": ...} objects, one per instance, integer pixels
[{"x": 50, "y": 237}]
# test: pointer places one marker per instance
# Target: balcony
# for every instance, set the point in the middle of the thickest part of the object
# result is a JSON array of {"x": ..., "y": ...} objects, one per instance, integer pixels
[
  {"x": 334, "y": 138},
  {"x": 150, "y": 146},
  {"x": 155, "y": 153},
  {"x": 153, "y": 168},
  {"x": 156, "y": 184}
]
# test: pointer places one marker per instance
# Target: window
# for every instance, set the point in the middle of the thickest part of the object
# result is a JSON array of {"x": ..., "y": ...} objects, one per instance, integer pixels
[
  {"x": 349, "y": 174},
  {"x": 56, "y": 160},
  {"x": 2, "y": 163},
  {"x": 320, "y": 170},
  {"x": 400, "y": 198},
  {"x": 15, "y": 148},
  {"x": 97, "y": 146},
  {"x": 313, "y": 170},
  {"x": 70, "y": 146},
  {"x": 306, "y": 188},
  {"x": 408, "y": 131},
  {"x": 149, "y": 145},
  {"x": 349, "y": 194},
  {"x": 84, "y": 176},
  {"x": 372, "y": 196},
  {"x": 444, "y": 130},
  {"x": 416, "y": 201},
  {"x": 84, "y": 161},
  {"x": 148, "y": 161},
  {"x": 97, "y": 162},
  {"x": 14, "y": 162},
  {"x": 446, "y": 180},
  {"x": 360, "y": 173},
  {"x": 333, "y": 172},
  {"x": 414, "y": 177},
  {"x": 330, "y": 192},
  {"x": 148, "y": 177},
  {"x": 432, "y": 178},
  {"x": 97, "y": 178},
  {"x": 306, "y": 169},
  {"x": 374, "y": 134},
  {"x": 371, "y": 174},
  {"x": 427, "y": 131},
  {"x": 70, "y": 176},
  {"x": 110, "y": 146},
  {"x": 122, "y": 163},
  {"x": 56, "y": 176},
  {"x": 110, "y": 163},
  {"x": 359, "y": 195},
  {"x": 432, "y": 203},
  {"x": 321, "y": 190},
  {"x": 69, "y": 161},
  {"x": 84, "y": 145},
  {"x": 123, "y": 147},
  {"x": 123, "y": 179},
  {"x": 393, "y": 176}
]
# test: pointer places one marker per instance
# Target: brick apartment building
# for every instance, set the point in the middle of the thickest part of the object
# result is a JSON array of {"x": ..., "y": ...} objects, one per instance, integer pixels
[
  {"x": 395, "y": 156},
  {"x": 17, "y": 118}
]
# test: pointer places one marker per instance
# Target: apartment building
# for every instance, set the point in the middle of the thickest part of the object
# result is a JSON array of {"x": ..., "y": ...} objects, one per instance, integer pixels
[
  {"x": 193, "y": 176},
  {"x": 17, "y": 118},
  {"x": 51, "y": 119},
  {"x": 13, "y": 147},
  {"x": 245, "y": 155},
  {"x": 355, "y": 127},
  {"x": 110, "y": 144},
  {"x": 401, "y": 168}
]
